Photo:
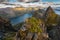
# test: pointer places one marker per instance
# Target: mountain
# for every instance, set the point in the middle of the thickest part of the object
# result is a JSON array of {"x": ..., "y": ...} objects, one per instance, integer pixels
[
  {"x": 7, "y": 12},
  {"x": 32, "y": 29},
  {"x": 52, "y": 24},
  {"x": 50, "y": 16},
  {"x": 6, "y": 29},
  {"x": 43, "y": 25},
  {"x": 10, "y": 12},
  {"x": 39, "y": 13},
  {"x": 13, "y": 12}
]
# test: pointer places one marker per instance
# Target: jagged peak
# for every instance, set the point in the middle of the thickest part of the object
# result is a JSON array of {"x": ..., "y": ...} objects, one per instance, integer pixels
[
  {"x": 49, "y": 11},
  {"x": 49, "y": 8}
]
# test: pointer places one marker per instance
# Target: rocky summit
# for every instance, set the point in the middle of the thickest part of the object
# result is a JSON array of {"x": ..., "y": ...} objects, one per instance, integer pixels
[
  {"x": 47, "y": 24},
  {"x": 52, "y": 24},
  {"x": 42, "y": 25}
]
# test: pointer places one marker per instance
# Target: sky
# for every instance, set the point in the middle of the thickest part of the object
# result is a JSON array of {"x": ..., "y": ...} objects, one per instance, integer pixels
[
  {"x": 42, "y": 0},
  {"x": 52, "y": 0}
]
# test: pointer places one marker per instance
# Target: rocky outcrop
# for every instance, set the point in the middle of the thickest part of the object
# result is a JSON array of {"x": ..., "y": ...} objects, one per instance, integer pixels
[
  {"x": 7, "y": 12},
  {"x": 43, "y": 26},
  {"x": 5, "y": 25},
  {"x": 51, "y": 20},
  {"x": 54, "y": 33},
  {"x": 49, "y": 11},
  {"x": 5, "y": 28},
  {"x": 51, "y": 17},
  {"x": 39, "y": 13},
  {"x": 27, "y": 32},
  {"x": 26, "y": 35},
  {"x": 50, "y": 27}
]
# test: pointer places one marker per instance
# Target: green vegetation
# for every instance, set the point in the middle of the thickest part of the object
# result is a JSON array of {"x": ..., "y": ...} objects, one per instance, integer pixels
[
  {"x": 34, "y": 24},
  {"x": 52, "y": 18}
]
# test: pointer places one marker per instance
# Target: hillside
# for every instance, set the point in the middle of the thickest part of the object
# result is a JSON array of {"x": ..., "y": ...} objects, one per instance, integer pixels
[
  {"x": 42, "y": 25},
  {"x": 14, "y": 12}
]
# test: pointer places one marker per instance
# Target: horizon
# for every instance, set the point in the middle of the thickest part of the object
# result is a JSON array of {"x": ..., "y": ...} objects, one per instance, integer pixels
[
  {"x": 42, "y": 0},
  {"x": 54, "y": 1}
]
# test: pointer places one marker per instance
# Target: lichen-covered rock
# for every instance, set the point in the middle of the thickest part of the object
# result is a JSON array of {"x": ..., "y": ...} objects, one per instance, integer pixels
[
  {"x": 54, "y": 33},
  {"x": 32, "y": 29},
  {"x": 29, "y": 36}
]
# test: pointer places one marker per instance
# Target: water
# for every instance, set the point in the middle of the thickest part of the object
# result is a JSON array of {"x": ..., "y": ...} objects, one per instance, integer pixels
[{"x": 22, "y": 18}]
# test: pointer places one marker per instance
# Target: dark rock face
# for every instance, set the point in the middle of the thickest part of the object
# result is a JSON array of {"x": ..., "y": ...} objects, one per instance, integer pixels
[
  {"x": 39, "y": 13},
  {"x": 49, "y": 12},
  {"x": 54, "y": 33},
  {"x": 58, "y": 19},
  {"x": 5, "y": 25},
  {"x": 52, "y": 30}
]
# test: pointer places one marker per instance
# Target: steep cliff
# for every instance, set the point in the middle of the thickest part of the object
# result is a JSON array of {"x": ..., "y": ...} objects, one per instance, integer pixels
[
  {"x": 52, "y": 24},
  {"x": 50, "y": 16},
  {"x": 5, "y": 25}
]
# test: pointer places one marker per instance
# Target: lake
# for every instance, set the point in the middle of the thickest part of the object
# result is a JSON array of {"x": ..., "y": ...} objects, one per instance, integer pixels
[{"x": 22, "y": 18}]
